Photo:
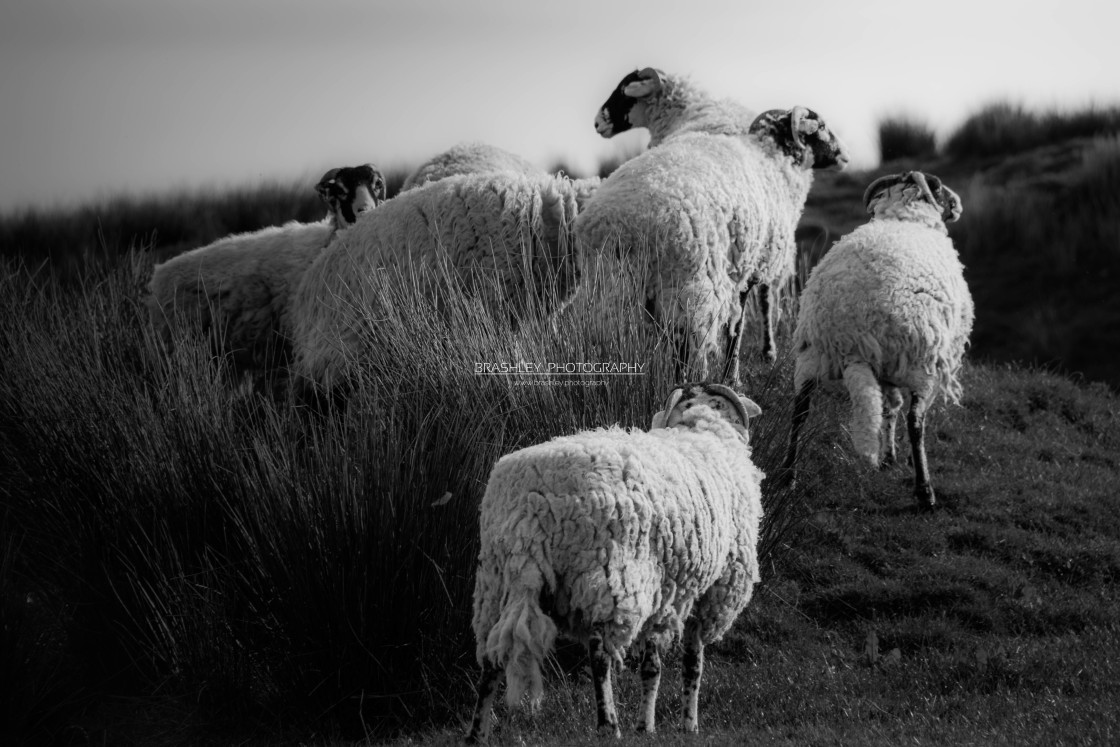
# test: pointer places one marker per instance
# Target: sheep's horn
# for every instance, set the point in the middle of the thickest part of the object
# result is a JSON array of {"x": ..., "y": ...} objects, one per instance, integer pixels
[
  {"x": 881, "y": 183},
  {"x": 796, "y": 114},
  {"x": 920, "y": 179}
]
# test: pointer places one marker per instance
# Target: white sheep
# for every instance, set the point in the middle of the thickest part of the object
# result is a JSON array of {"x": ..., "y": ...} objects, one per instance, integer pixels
[
  {"x": 507, "y": 236},
  {"x": 468, "y": 158},
  {"x": 666, "y": 105},
  {"x": 717, "y": 214},
  {"x": 240, "y": 287},
  {"x": 619, "y": 538},
  {"x": 887, "y": 309}
]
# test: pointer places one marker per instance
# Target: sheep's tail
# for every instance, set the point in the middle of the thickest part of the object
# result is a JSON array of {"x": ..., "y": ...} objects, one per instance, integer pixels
[
  {"x": 867, "y": 410},
  {"x": 522, "y": 637}
]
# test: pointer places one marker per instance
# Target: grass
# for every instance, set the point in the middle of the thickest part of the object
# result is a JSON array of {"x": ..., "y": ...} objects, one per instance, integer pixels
[
  {"x": 1002, "y": 128},
  {"x": 902, "y": 136}
]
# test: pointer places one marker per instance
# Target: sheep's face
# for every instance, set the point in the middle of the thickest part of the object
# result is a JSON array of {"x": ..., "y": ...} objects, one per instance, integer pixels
[
  {"x": 732, "y": 406},
  {"x": 351, "y": 191},
  {"x": 804, "y": 136},
  {"x": 626, "y": 107}
]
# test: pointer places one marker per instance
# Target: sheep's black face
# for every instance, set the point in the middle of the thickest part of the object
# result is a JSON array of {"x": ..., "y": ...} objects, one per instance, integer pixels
[
  {"x": 803, "y": 135},
  {"x": 828, "y": 151},
  {"x": 614, "y": 115},
  {"x": 351, "y": 191}
]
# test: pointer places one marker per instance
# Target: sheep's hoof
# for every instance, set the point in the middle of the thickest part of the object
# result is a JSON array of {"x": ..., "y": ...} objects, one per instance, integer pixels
[
  {"x": 610, "y": 730},
  {"x": 926, "y": 499}
]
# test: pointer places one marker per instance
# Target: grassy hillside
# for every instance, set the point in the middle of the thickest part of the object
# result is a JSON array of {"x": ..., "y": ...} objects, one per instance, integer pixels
[
  {"x": 186, "y": 563},
  {"x": 1040, "y": 241},
  {"x": 184, "y": 560}
]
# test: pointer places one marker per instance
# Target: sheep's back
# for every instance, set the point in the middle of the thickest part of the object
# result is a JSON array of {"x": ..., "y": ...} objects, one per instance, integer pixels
[
  {"x": 631, "y": 527},
  {"x": 701, "y": 201},
  {"x": 890, "y": 293},
  {"x": 247, "y": 279},
  {"x": 497, "y": 233}
]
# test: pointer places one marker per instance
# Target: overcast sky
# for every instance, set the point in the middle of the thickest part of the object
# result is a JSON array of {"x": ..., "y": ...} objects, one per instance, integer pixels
[{"x": 102, "y": 97}]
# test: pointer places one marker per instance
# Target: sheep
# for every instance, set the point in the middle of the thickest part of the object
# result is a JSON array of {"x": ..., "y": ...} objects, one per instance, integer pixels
[
  {"x": 501, "y": 233},
  {"x": 468, "y": 158},
  {"x": 718, "y": 214},
  {"x": 666, "y": 105},
  {"x": 240, "y": 286},
  {"x": 619, "y": 538},
  {"x": 887, "y": 309}
]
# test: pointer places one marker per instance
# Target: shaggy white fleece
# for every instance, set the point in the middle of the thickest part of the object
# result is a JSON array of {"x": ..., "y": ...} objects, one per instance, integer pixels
[{"x": 624, "y": 533}]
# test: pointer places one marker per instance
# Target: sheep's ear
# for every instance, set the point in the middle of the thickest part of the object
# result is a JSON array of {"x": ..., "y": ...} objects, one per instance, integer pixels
[
  {"x": 325, "y": 184},
  {"x": 661, "y": 418},
  {"x": 649, "y": 83},
  {"x": 749, "y": 407},
  {"x": 952, "y": 208}
]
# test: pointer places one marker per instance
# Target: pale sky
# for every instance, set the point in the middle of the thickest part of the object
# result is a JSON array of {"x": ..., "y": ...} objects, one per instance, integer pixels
[{"x": 107, "y": 97}]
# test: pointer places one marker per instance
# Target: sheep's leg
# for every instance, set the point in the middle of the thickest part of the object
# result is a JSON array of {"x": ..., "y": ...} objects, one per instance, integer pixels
[
  {"x": 651, "y": 681},
  {"x": 601, "y": 679},
  {"x": 735, "y": 341},
  {"x": 916, "y": 425},
  {"x": 801, "y": 402},
  {"x": 692, "y": 665},
  {"x": 484, "y": 707},
  {"x": 892, "y": 403},
  {"x": 769, "y": 352}
]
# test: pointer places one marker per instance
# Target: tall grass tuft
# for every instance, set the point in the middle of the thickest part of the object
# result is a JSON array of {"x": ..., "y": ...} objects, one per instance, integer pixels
[
  {"x": 1002, "y": 128},
  {"x": 73, "y": 239},
  {"x": 902, "y": 136},
  {"x": 300, "y": 570}
]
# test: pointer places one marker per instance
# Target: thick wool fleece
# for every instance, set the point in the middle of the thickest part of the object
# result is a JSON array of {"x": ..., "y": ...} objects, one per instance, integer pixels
[
  {"x": 890, "y": 296},
  {"x": 468, "y": 158},
  {"x": 621, "y": 532},
  {"x": 681, "y": 106},
  {"x": 506, "y": 230},
  {"x": 240, "y": 286},
  {"x": 717, "y": 213}
]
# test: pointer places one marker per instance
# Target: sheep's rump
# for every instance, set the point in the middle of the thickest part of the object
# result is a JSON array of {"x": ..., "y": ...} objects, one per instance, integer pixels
[
  {"x": 627, "y": 528},
  {"x": 505, "y": 236},
  {"x": 239, "y": 288},
  {"x": 717, "y": 212},
  {"x": 891, "y": 294}
]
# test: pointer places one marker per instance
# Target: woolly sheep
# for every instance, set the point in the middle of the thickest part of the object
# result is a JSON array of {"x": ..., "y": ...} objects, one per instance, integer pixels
[
  {"x": 501, "y": 232},
  {"x": 887, "y": 309},
  {"x": 619, "y": 538},
  {"x": 668, "y": 104},
  {"x": 468, "y": 158},
  {"x": 239, "y": 287},
  {"x": 718, "y": 214}
]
